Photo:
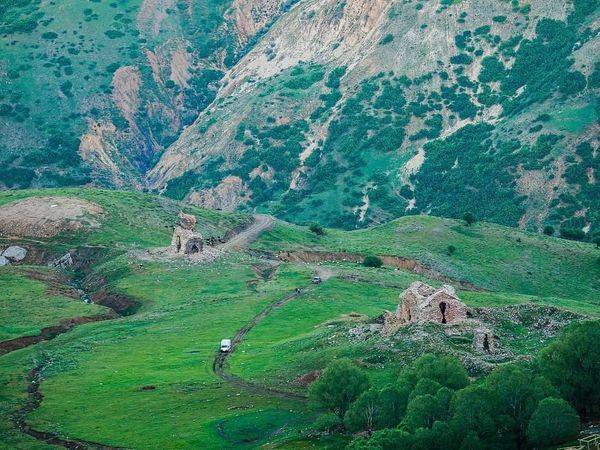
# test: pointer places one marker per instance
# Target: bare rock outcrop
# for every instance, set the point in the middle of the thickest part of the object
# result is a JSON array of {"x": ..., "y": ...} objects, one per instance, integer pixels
[{"x": 185, "y": 239}]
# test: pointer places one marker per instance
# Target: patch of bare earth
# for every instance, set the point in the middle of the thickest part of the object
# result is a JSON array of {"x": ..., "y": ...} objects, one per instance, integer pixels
[{"x": 45, "y": 217}]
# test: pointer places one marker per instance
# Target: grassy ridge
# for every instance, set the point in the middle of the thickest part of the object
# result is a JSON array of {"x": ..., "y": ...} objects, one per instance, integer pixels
[{"x": 491, "y": 256}]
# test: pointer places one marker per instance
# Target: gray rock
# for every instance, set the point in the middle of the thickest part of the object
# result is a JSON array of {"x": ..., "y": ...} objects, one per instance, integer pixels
[
  {"x": 4, "y": 261},
  {"x": 62, "y": 262},
  {"x": 15, "y": 253}
]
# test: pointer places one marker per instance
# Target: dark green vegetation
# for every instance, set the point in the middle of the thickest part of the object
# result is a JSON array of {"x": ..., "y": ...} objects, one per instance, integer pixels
[
  {"x": 158, "y": 361},
  {"x": 433, "y": 405}
]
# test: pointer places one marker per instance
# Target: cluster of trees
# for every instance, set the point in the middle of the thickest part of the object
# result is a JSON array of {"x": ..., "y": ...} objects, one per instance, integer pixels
[{"x": 434, "y": 405}]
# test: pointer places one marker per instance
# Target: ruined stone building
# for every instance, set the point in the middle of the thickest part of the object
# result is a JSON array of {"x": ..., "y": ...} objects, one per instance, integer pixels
[
  {"x": 186, "y": 240},
  {"x": 424, "y": 303}
]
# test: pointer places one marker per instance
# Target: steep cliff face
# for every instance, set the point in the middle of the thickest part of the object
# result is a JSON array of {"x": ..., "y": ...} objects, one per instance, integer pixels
[
  {"x": 360, "y": 111},
  {"x": 94, "y": 92}
]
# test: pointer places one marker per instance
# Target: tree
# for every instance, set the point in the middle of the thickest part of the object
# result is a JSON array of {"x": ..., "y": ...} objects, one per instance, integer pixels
[
  {"x": 372, "y": 261},
  {"x": 553, "y": 422},
  {"x": 473, "y": 411},
  {"x": 469, "y": 218},
  {"x": 596, "y": 238},
  {"x": 451, "y": 250},
  {"x": 573, "y": 83},
  {"x": 572, "y": 364},
  {"x": 341, "y": 383},
  {"x": 549, "y": 230},
  {"x": 446, "y": 370},
  {"x": 376, "y": 409},
  {"x": 424, "y": 410},
  {"x": 388, "y": 439},
  {"x": 317, "y": 229},
  {"x": 516, "y": 393},
  {"x": 471, "y": 442}
]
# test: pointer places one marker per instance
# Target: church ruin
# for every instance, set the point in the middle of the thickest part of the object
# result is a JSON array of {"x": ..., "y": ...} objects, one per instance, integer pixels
[
  {"x": 424, "y": 303},
  {"x": 186, "y": 240}
]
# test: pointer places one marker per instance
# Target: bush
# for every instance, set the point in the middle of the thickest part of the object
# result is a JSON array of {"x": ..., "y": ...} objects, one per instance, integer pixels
[
  {"x": 317, "y": 229},
  {"x": 553, "y": 422},
  {"x": 549, "y": 230},
  {"x": 451, "y": 250},
  {"x": 469, "y": 218},
  {"x": 372, "y": 261},
  {"x": 327, "y": 423}
]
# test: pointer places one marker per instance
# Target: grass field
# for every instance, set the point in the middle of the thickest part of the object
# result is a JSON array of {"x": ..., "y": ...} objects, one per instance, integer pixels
[
  {"x": 147, "y": 381},
  {"x": 27, "y": 306},
  {"x": 493, "y": 257}
]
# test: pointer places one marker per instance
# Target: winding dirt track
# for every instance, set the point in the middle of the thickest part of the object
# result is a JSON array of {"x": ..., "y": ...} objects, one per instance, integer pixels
[
  {"x": 221, "y": 368},
  {"x": 248, "y": 235}
]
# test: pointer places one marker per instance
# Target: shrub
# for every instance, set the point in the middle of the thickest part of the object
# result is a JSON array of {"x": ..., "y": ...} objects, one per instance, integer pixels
[
  {"x": 451, "y": 250},
  {"x": 549, "y": 230},
  {"x": 469, "y": 218},
  {"x": 386, "y": 39},
  {"x": 316, "y": 229},
  {"x": 372, "y": 261},
  {"x": 553, "y": 422}
]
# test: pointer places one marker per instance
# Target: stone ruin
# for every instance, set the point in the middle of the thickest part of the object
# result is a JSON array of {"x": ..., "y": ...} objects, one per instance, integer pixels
[
  {"x": 186, "y": 240},
  {"x": 423, "y": 303}
]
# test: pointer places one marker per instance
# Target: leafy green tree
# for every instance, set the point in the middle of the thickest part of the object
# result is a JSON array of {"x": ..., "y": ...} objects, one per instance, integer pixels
[
  {"x": 317, "y": 229},
  {"x": 388, "y": 439},
  {"x": 572, "y": 364},
  {"x": 328, "y": 423},
  {"x": 516, "y": 392},
  {"x": 469, "y": 218},
  {"x": 471, "y": 442},
  {"x": 341, "y": 383},
  {"x": 573, "y": 83},
  {"x": 424, "y": 410},
  {"x": 376, "y": 409},
  {"x": 425, "y": 386},
  {"x": 372, "y": 261},
  {"x": 596, "y": 238},
  {"x": 446, "y": 370},
  {"x": 473, "y": 411},
  {"x": 553, "y": 422}
]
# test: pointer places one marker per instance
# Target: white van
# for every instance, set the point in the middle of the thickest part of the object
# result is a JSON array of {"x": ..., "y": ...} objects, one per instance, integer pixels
[{"x": 225, "y": 345}]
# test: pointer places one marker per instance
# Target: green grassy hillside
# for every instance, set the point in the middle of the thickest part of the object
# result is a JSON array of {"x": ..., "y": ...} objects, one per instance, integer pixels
[{"x": 158, "y": 362}]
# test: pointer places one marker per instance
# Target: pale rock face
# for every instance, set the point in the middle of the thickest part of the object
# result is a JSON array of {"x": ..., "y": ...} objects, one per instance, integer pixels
[
  {"x": 4, "y": 261},
  {"x": 227, "y": 196},
  {"x": 15, "y": 253}
]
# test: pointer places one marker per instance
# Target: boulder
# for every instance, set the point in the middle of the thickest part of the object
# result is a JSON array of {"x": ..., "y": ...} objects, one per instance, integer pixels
[
  {"x": 4, "y": 261},
  {"x": 15, "y": 253},
  {"x": 63, "y": 262}
]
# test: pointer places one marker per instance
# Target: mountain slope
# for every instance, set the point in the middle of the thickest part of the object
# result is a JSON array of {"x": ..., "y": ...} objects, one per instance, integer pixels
[
  {"x": 352, "y": 113},
  {"x": 95, "y": 90}
]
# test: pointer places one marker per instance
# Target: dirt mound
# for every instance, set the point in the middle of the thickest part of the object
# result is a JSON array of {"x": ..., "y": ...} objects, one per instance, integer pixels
[{"x": 47, "y": 216}]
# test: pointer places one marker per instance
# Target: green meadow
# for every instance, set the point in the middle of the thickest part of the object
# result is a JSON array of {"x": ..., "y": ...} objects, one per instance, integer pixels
[{"x": 147, "y": 380}]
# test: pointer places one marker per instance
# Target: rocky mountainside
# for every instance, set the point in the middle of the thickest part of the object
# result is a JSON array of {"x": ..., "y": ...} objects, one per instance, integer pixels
[
  {"x": 344, "y": 112},
  {"x": 95, "y": 90}
]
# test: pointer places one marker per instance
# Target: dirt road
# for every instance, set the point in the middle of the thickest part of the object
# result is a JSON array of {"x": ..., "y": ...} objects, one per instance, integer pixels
[
  {"x": 246, "y": 237},
  {"x": 221, "y": 368}
]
